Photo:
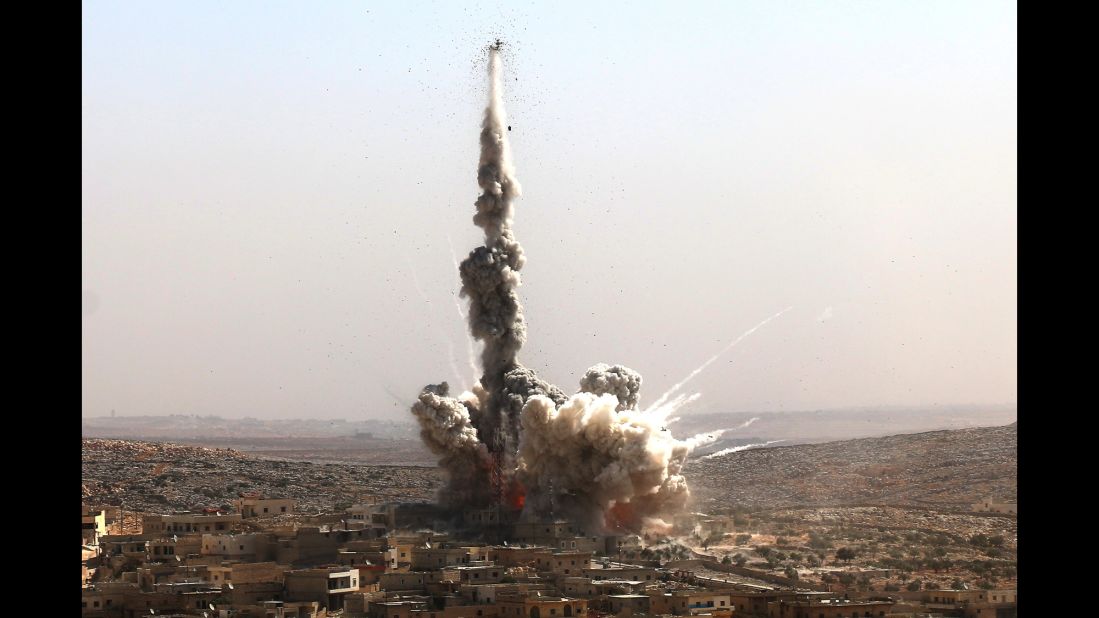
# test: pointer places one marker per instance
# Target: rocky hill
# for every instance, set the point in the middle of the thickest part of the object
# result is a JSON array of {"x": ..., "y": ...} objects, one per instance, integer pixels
[
  {"x": 945, "y": 470},
  {"x": 161, "y": 477},
  {"x": 941, "y": 469}
]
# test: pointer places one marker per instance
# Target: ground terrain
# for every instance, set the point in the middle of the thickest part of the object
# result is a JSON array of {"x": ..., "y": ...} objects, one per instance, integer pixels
[{"x": 901, "y": 503}]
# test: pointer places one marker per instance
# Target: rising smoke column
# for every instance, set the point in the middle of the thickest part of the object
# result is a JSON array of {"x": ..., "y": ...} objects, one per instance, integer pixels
[
  {"x": 490, "y": 280},
  {"x": 518, "y": 440}
]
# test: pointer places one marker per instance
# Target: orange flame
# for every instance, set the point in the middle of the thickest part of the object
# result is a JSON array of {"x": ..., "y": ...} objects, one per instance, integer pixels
[{"x": 622, "y": 516}]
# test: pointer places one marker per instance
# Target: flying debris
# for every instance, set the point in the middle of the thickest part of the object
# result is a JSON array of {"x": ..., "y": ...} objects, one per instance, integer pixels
[{"x": 497, "y": 45}]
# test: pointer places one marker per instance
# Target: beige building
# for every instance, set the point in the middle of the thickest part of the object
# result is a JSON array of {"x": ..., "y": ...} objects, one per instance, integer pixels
[
  {"x": 599, "y": 572},
  {"x": 248, "y": 547},
  {"x": 566, "y": 562},
  {"x": 458, "y": 611},
  {"x": 424, "y": 558},
  {"x": 545, "y": 532},
  {"x": 260, "y": 507},
  {"x": 93, "y": 526},
  {"x": 988, "y": 506},
  {"x": 536, "y": 606},
  {"x": 828, "y": 608},
  {"x": 971, "y": 603},
  {"x": 691, "y": 602},
  {"x": 520, "y": 556},
  {"x": 189, "y": 523},
  {"x": 628, "y": 604},
  {"x": 325, "y": 586}
]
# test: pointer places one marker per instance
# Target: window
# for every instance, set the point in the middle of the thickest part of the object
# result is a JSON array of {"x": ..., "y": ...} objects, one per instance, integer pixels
[
  {"x": 95, "y": 603},
  {"x": 284, "y": 509},
  {"x": 264, "y": 509}
]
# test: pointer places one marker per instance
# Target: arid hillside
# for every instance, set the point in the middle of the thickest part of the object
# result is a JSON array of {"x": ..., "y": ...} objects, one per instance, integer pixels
[
  {"x": 942, "y": 469},
  {"x": 946, "y": 470}
]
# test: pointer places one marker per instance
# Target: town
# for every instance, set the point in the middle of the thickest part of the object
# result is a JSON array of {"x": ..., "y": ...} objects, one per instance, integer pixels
[{"x": 262, "y": 558}]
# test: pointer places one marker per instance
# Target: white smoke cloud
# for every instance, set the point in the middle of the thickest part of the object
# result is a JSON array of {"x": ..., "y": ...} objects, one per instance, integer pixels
[{"x": 585, "y": 456}]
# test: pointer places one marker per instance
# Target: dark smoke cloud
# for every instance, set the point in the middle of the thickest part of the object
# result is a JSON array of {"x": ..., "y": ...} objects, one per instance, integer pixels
[
  {"x": 593, "y": 456},
  {"x": 622, "y": 382}
]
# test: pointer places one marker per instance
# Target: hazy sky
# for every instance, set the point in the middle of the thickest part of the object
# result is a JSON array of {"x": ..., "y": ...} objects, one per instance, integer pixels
[{"x": 269, "y": 189}]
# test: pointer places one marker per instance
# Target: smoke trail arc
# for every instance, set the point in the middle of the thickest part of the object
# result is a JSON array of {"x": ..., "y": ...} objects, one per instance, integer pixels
[{"x": 664, "y": 398}]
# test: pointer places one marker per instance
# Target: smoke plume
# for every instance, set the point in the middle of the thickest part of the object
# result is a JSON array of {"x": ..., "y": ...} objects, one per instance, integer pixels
[{"x": 516, "y": 440}]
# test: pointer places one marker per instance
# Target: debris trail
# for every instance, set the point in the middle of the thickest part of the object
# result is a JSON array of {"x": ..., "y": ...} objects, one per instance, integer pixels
[
  {"x": 471, "y": 355},
  {"x": 438, "y": 329},
  {"x": 737, "y": 449},
  {"x": 663, "y": 398}
]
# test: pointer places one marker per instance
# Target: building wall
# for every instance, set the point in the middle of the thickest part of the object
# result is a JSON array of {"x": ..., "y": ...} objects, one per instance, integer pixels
[
  {"x": 458, "y": 611},
  {"x": 638, "y": 604},
  {"x": 238, "y": 546},
  {"x": 784, "y": 609},
  {"x": 176, "y": 524},
  {"x": 543, "y": 608},
  {"x": 433, "y": 558},
  {"x": 392, "y": 610},
  {"x": 565, "y": 563},
  {"x": 325, "y": 586},
  {"x": 93, "y": 525},
  {"x": 519, "y": 556},
  {"x": 260, "y": 507},
  {"x": 641, "y": 574},
  {"x": 412, "y": 580}
]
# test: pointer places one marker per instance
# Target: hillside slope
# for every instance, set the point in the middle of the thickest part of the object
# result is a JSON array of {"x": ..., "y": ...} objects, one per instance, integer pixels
[{"x": 942, "y": 469}]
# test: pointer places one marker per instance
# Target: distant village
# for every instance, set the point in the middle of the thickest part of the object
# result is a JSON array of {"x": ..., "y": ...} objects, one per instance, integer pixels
[{"x": 387, "y": 559}]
